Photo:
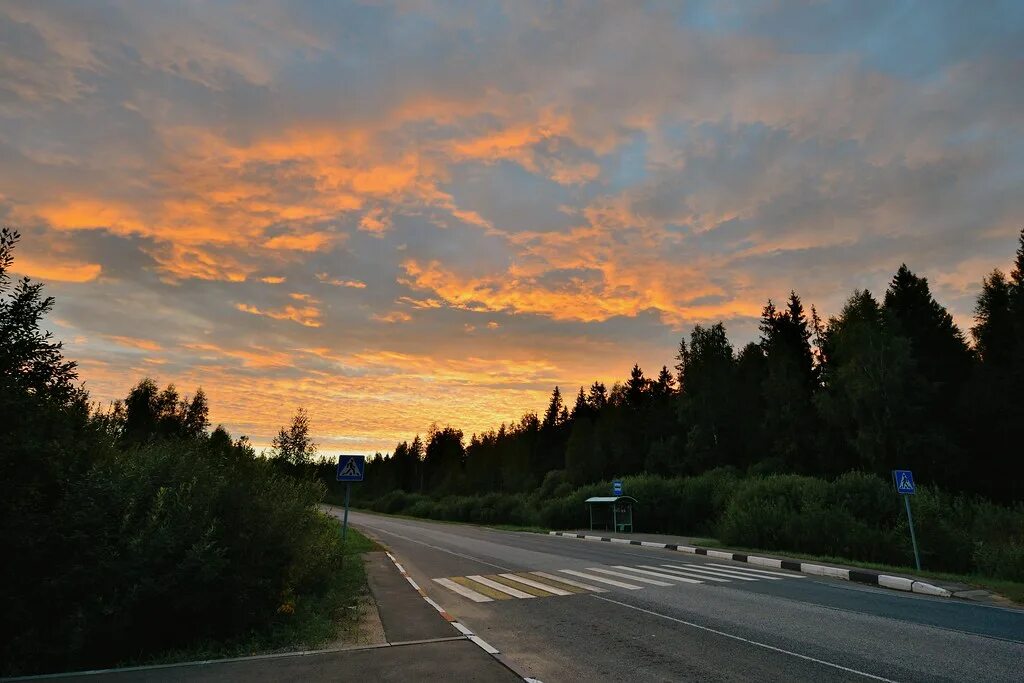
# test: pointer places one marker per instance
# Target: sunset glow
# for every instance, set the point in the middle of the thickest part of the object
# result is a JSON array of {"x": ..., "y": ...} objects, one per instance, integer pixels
[{"x": 398, "y": 214}]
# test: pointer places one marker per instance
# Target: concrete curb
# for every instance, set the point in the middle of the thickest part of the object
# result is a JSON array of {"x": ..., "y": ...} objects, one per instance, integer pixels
[{"x": 866, "y": 576}]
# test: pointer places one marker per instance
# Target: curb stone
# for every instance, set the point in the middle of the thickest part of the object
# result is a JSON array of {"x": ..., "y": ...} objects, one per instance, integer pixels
[{"x": 866, "y": 576}]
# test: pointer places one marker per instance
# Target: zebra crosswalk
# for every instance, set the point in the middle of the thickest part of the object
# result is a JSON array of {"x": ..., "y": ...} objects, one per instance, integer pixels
[{"x": 565, "y": 582}]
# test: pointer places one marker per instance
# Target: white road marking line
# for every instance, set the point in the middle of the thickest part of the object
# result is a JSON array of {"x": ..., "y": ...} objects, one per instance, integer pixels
[
  {"x": 702, "y": 577},
  {"x": 435, "y": 605},
  {"x": 628, "y": 576},
  {"x": 462, "y": 629},
  {"x": 747, "y": 640},
  {"x": 483, "y": 644},
  {"x": 660, "y": 575},
  {"x": 704, "y": 572},
  {"x": 508, "y": 590},
  {"x": 757, "y": 571},
  {"x": 443, "y": 550},
  {"x": 729, "y": 571},
  {"x": 601, "y": 579},
  {"x": 411, "y": 582},
  {"x": 569, "y": 582},
  {"x": 535, "y": 584},
  {"x": 463, "y": 591}
]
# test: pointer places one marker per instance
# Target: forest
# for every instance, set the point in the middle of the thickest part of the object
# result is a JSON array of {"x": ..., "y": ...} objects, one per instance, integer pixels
[
  {"x": 132, "y": 533},
  {"x": 890, "y": 382}
]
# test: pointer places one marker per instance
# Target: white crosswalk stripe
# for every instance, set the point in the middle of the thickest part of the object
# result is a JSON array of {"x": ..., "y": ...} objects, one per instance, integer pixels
[
  {"x": 509, "y": 590},
  {"x": 628, "y": 576},
  {"x": 535, "y": 584},
  {"x": 569, "y": 582},
  {"x": 693, "y": 575},
  {"x": 521, "y": 586},
  {"x": 758, "y": 572},
  {"x": 701, "y": 570},
  {"x": 601, "y": 579},
  {"x": 463, "y": 591},
  {"x": 660, "y": 575}
]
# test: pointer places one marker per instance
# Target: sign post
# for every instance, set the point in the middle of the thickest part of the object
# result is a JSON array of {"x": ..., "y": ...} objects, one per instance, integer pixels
[
  {"x": 616, "y": 488},
  {"x": 904, "y": 481},
  {"x": 350, "y": 469}
]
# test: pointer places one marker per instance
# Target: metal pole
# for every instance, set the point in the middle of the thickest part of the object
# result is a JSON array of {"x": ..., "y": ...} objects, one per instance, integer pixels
[
  {"x": 344, "y": 524},
  {"x": 913, "y": 538}
]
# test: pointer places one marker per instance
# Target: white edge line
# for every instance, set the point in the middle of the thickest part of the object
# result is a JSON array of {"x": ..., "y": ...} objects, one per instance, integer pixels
[
  {"x": 751, "y": 642},
  {"x": 484, "y": 645},
  {"x": 462, "y": 629},
  {"x": 435, "y": 605}
]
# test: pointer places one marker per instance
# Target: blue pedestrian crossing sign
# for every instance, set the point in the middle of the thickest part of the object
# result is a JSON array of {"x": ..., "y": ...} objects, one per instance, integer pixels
[
  {"x": 351, "y": 467},
  {"x": 616, "y": 488},
  {"x": 904, "y": 480}
]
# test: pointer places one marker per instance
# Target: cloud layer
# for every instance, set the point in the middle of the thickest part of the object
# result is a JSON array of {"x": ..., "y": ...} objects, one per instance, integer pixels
[{"x": 419, "y": 212}]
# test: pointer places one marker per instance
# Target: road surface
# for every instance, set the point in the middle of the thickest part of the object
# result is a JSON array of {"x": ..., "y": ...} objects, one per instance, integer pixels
[{"x": 578, "y": 610}]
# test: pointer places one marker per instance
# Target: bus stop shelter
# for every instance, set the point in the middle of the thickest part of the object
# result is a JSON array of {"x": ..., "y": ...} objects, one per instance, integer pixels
[{"x": 615, "y": 509}]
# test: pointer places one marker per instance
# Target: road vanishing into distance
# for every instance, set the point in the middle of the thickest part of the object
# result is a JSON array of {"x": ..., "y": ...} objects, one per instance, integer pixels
[{"x": 563, "y": 609}]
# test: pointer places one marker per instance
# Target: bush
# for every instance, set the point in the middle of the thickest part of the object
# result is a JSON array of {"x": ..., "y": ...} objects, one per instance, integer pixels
[
  {"x": 856, "y": 516},
  {"x": 168, "y": 545}
]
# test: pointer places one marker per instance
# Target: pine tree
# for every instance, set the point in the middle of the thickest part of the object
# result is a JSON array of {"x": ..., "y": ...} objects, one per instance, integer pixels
[
  {"x": 597, "y": 398},
  {"x": 552, "y": 416},
  {"x": 637, "y": 388},
  {"x": 789, "y": 385},
  {"x": 708, "y": 400},
  {"x": 665, "y": 385},
  {"x": 581, "y": 407},
  {"x": 939, "y": 347},
  {"x": 993, "y": 330}
]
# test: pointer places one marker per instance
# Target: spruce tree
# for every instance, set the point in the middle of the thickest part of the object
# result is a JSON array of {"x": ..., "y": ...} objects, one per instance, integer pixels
[{"x": 552, "y": 416}]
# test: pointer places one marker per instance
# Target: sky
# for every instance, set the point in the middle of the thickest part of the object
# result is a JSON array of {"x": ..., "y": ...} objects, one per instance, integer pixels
[{"x": 398, "y": 214}]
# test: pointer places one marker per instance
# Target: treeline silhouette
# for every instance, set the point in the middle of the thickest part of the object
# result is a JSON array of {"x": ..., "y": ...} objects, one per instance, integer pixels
[
  {"x": 134, "y": 530},
  {"x": 786, "y": 444},
  {"x": 890, "y": 383}
]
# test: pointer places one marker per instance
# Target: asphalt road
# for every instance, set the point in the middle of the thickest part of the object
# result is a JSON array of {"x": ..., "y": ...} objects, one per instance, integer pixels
[{"x": 700, "y": 619}]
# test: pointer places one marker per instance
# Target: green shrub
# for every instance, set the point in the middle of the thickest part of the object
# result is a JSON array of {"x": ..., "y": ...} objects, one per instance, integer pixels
[{"x": 167, "y": 545}]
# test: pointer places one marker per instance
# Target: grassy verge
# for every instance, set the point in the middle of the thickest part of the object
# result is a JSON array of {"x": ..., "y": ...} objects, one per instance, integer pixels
[{"x": 305, "y": 622}]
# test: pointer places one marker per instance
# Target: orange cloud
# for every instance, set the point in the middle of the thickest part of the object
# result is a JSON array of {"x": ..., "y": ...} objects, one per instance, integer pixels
[
  {"x": 57, "y": 270},
  {"x": 392, "y": 317},
  {"x": 308, "y": 316},
  {"x": 180, "y": 262},
  {"x": 313, "y": 241},
  {"x": 273, "y": 279},
  {"x": 136, "y": 343},
  {"x": 376, "y": 222},
  {"x": 337, "y": 282}
]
